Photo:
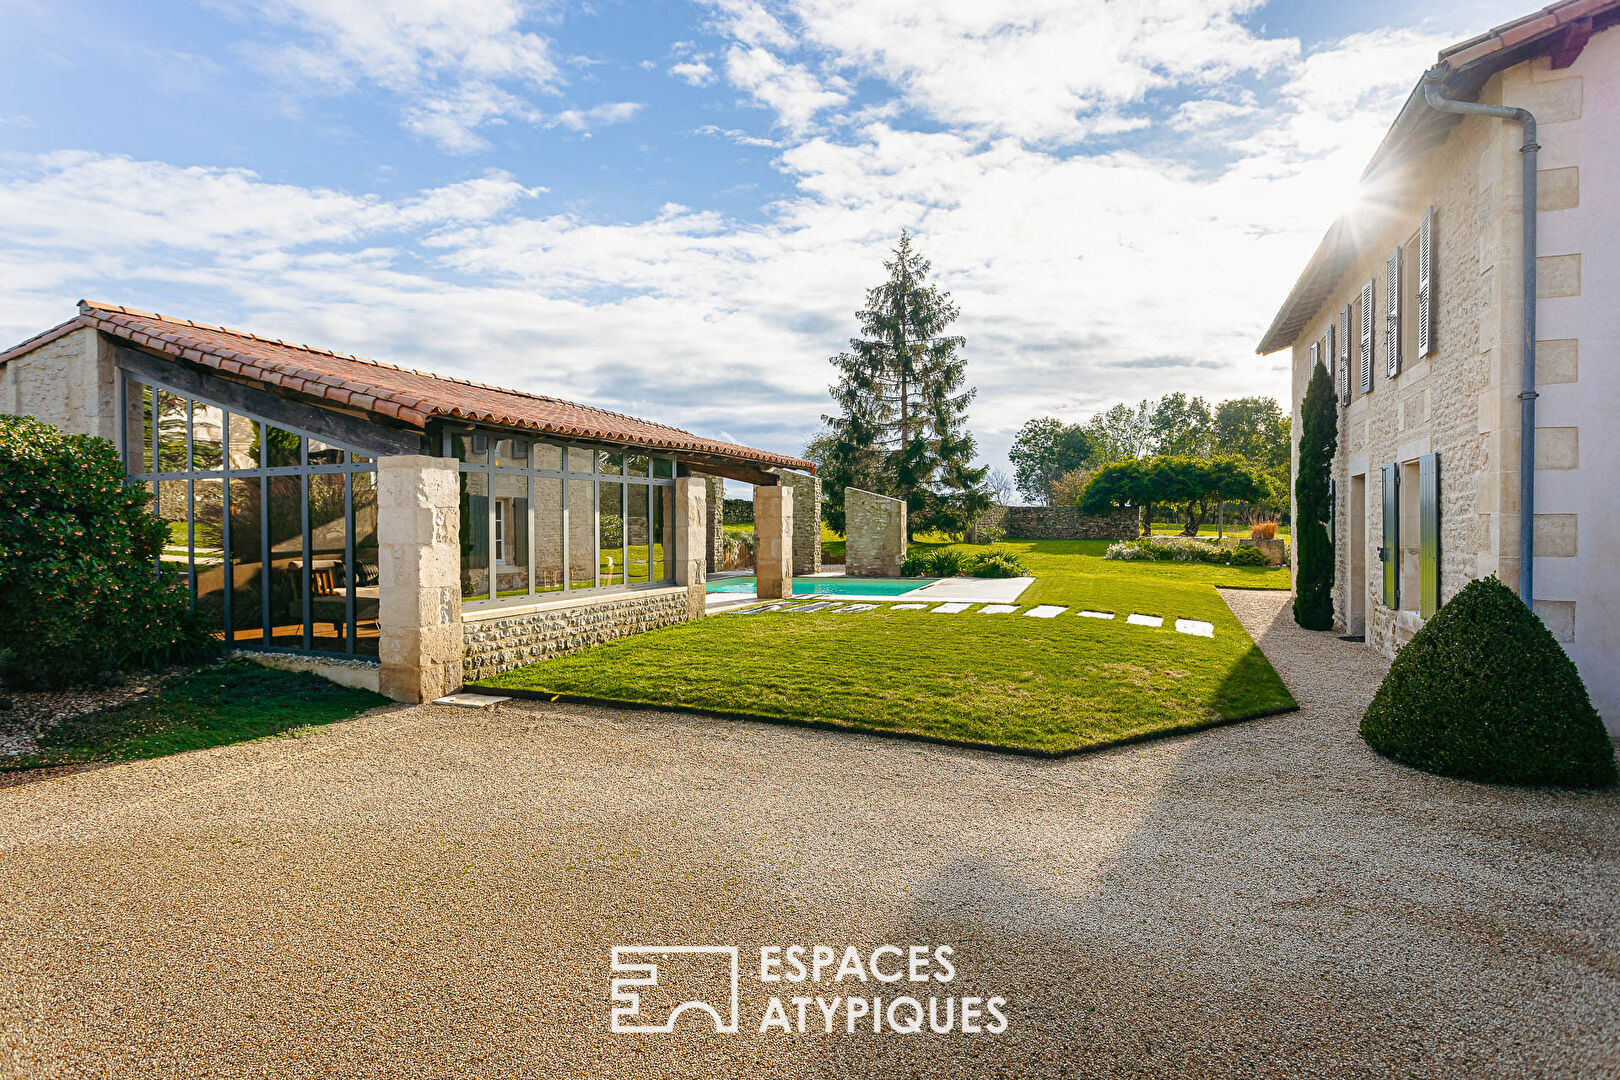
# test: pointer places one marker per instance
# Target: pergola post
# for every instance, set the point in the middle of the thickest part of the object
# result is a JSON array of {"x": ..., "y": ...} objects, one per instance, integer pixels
[
  {"x": 419, "y": 569},
  {"x": 773, "y": 541},
  {"x": 691, "y": 541}
]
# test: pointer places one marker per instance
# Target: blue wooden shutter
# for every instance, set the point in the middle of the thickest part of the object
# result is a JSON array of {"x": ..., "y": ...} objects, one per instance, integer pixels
[
  {"x": 1425, "y": 289},
  {"x": 1392, "y": 314},
  {"x": 1429, "y": 534},
  {"x": 1368, "y": 315},
  {"x": 1390, "y": 552},
  {"x": 1344, "y": 356}
]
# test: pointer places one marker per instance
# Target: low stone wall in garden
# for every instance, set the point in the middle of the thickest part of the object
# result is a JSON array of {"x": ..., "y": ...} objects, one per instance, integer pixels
[
  {"x": 1068, "y": 523},
  {"x": 499, "y": 641},
  {"x": 1275, "y": 549},
  {"x": 874, "y": 534}
]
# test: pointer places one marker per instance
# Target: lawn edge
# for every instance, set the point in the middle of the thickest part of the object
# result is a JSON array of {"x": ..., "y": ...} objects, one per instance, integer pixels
[{"x": 853, "y": 729}]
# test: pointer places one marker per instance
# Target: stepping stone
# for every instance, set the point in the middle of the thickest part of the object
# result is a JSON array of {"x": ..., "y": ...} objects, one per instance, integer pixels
[
  {"x": 907, "y": 607},
  {"x": 998, "y": 609},
  {"x": 471, "y": 701},
  {"x": 1045, "y": 611},
  {"x": 1196, "y": 628},
  {"x": 1096, "y": 614},
  {"x": 822, "y": 606},
  {"x": 950, "y": 609},
  {"x": 850, "y": 609},
  {"x": 1145, "y": 620}
]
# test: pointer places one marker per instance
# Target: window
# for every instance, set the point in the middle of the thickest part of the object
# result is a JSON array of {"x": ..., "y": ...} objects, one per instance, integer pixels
[
  {"x": 273, "y": 530},
  {"x": 539, "y": 517}
]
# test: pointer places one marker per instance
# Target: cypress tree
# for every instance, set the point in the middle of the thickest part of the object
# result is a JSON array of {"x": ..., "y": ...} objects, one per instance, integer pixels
[
  {"x": 1319, "y": 439},
  {"x": 902, "y": 397}
]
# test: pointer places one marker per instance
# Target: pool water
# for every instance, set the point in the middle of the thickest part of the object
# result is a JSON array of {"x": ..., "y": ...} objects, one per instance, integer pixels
[{"x": 829, "y": 586}]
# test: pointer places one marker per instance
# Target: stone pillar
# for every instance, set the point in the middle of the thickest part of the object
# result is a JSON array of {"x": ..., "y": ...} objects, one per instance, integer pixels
[
  {"x": 715, "y": 499},
  {"x": 419, "y": 561},
  {"x": 773, "y": 541},
  {"x": 874, "y": 534},
  {"x": 806, "y": 520},
  {"x": 690, "y": 522}
]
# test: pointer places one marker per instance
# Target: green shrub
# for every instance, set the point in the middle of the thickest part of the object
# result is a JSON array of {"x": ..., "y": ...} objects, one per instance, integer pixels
[
  {"x": 953, "y": 562},
  {"x": 1247, "y": 555},
  {"x": 1485, "y": 692},
  {"x": 76, "y": 565}
]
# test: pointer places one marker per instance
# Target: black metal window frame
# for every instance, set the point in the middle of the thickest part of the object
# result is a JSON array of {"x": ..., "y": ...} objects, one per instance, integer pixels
[
  {"x": 570, "y": 476},
  {"x": 129, "y": 387}
]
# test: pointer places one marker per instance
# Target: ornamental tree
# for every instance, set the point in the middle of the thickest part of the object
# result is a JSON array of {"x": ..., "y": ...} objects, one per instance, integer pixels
[{"x": 1318, "y": 441}]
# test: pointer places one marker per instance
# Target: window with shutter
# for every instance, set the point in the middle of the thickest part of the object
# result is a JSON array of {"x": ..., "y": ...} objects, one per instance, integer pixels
[
  {"x": 1425, "y": 289},
  {"x": 1316, "y": 356},
  {"x": 1368, "y": 316},
  {"x": 1390, "y": 553},
  {"x": 1428, "y": 534},
  {"x": 1344, "y": 356},
  {"x": 1330, "y": 355},
  {"x": 1392, "y": 314}
]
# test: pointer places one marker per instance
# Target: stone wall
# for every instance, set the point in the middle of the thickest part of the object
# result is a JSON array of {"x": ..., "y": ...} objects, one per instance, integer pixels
[
  {"x": 1068, "y": 523},
  {"x": 715, "y": 515},
  {"x": 419, "y": 559},
  {"x": 874, "y": 534},
  {"x": 498, "y": 641},
  {"x": 70, "y": 383},
  {"x": 806, "y": 520}
]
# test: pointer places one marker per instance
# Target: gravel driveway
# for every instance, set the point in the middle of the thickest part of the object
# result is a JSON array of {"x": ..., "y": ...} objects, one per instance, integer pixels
[{"x": 433, "y": 892}]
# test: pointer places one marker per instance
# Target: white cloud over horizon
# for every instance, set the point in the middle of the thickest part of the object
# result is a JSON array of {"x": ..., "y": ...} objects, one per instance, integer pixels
[{"x": 1086, "y": 274}]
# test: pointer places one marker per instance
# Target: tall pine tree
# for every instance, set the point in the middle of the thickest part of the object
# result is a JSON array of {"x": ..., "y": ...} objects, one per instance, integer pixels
[
  {"x": 1318, "y": 441},
  {"x": 902, "y": 399}
]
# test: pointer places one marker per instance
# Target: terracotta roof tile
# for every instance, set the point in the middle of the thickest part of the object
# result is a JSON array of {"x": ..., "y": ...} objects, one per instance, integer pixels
[{"x": 412, "y": 397}]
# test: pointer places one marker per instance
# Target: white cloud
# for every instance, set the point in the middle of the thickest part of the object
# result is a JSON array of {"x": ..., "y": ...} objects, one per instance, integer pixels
[
  {"x": 736, "y": 135},
  {"x": 792, "y": 91},
  {"x": 614, "y": 112},
  {"x": 693, "y": 72}
]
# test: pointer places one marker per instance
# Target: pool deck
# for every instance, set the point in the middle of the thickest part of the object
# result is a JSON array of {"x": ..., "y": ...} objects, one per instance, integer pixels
[{"x": 962, "y": 590}]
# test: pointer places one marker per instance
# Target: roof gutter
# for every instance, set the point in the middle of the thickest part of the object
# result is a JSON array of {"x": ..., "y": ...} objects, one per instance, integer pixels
[{"x": 1432, "y": 83}]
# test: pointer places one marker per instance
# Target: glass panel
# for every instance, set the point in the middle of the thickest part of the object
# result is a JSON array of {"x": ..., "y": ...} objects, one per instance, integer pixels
[
  {"x": 548, "y": 533},
  {"x": 174, "y": 504},
  {"x": 359, "y": 459},
  {"x": 474, "y": 536},
  {"x": 366, "y": 629},
  {"x": 281, "y": 448},
  {"x": 512, "y": 534},
  {"x": 172, "y": 423},
  {"x": 473, "y": 449},
  {"x": 581, "y": 533},
  {"x": 580, "y": 460},
  {"x": 612, "y": 464},
  {"x": 328, "y": 602},
  {"x": 610, "y": 517},
  {"x": 547, "y": 455},
  {"x": 207, "y": 435},
  {"x": 247, "y": 613},
  {"x": 208, "y": 552},
  {"x": 322, "y": 454},
  {"x": 138, "y": 425},
  {"x": 635, "y": 465},
  {"x": 286, "y": 560},
  {"x": 663, "y": 467},
  {"x": 512, "y": 453},
  {"x": 244, "y": 442},
  {"x": 636, "y": 528},
  {"x": 661, "y": 556}
]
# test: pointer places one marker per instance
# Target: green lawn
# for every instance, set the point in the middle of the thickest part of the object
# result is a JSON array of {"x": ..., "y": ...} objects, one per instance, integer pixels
[
  {"x": 222, "y": 703},
  {"x": 1006, "y": 681}
]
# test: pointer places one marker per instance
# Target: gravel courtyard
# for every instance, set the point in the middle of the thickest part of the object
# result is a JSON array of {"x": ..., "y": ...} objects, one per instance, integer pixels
[{"x": 434, "y": 892}]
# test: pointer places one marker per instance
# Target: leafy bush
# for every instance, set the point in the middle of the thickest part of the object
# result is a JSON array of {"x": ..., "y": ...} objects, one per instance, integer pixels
[
  {"x": 1485, "y": 692},
  {"x": 1263, "y": 530},
  {"x": 1247, "y": 555},
  {"x": 990, "y": 534},
  {"x": 76, "y": 565},
  {"x": 953, "y": 562}
]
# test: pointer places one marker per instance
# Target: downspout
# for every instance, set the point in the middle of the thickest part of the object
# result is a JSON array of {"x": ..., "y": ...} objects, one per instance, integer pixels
[{"x": 1432, "y": 80}]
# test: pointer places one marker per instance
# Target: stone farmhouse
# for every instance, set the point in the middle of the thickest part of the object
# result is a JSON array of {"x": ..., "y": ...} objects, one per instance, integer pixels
[
  {"x": 400, "y": 529},
  {"x": 1475, "y": 344}
]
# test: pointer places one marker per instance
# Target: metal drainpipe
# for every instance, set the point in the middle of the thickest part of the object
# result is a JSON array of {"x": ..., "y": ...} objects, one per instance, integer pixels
[{"x": 1527, "y": 394}]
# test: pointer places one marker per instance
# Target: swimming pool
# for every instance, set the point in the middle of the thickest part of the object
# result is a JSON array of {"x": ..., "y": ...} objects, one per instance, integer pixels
[{"x": 829, "y": 586}]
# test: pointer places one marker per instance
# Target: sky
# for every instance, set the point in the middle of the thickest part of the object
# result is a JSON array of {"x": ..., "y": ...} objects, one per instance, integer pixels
[{"x": 675, "y": 209}]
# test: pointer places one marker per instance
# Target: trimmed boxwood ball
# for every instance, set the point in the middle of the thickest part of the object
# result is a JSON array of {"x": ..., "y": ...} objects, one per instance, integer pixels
[{"x": 1485, "y": 692}]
